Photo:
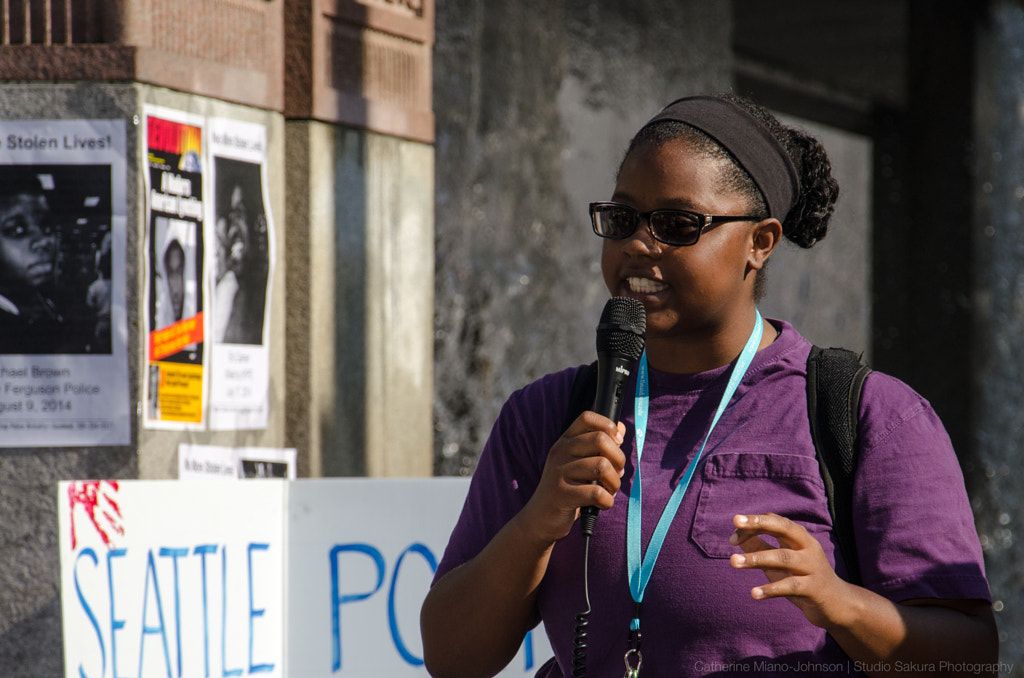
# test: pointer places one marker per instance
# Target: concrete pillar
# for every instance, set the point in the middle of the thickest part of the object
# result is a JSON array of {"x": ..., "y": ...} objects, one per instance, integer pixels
[
  {"x": 30, "y": 630},
  {"x": 360, "y": 301},
  {"x": 361, "y": 228}
]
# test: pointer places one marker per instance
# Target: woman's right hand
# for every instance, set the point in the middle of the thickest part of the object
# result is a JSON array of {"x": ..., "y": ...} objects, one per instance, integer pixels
[
  {"x": 474, "y": 618},
  {"x": 583, "y": 468}
]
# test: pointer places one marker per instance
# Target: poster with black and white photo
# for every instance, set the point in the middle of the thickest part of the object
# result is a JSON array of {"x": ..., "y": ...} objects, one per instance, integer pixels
[
  {"x": 63, "y": 319},
  {"x": 240, "y": 242},
  {"x": 175, "y": 326}
]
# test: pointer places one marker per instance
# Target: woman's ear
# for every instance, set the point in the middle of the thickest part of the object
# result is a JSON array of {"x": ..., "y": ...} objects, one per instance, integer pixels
[{"x": 763, "y": 239}]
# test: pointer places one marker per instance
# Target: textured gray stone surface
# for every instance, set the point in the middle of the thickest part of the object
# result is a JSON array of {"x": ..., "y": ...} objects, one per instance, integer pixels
[
  {"x": 998, "y": 305},
  {"x": 535, "y": 103}
]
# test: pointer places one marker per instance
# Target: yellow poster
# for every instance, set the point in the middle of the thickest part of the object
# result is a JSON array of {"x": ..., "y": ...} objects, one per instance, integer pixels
[{"x": 175, "y": 391}]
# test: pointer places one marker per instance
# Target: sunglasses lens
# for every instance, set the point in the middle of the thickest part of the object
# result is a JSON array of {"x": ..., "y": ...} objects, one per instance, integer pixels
[
  {"x": 675, "y": 227},
  {"x": 613, "y": 221}
]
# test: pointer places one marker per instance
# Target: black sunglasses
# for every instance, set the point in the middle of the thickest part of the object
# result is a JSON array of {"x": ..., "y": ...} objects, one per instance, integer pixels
[{"x": 673, "y": 227}]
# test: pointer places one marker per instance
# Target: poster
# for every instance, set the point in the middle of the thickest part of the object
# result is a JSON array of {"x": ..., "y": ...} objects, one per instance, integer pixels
[
  {"x": 313, "y": 578},
  {"x": 175, "y": 383},
  {"x": 213, "y": 462},
  {"x": 241, "y": 252},
  {"x": 63, "y": 320}
]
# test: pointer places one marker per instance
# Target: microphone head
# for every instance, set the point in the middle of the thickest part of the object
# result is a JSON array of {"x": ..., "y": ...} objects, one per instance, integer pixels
[{"x": 622, "y": 328}]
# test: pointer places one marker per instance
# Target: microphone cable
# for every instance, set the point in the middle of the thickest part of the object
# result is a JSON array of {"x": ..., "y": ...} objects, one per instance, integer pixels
[{"x": 579, "y": 643}]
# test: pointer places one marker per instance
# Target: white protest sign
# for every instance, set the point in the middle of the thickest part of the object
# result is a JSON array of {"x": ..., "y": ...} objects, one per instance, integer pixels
[
  {"x": 375, "y": 544},
  {"x": 165, "y": 578},
  {"x": 300, "y": 579}
]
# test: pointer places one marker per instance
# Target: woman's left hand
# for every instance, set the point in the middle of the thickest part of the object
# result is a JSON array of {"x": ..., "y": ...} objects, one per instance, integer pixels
[{"x": 797, "y": 570}]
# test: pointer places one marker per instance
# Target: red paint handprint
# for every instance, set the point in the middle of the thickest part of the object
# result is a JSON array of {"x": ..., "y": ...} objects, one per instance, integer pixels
[{"x": 99, "y": 500}]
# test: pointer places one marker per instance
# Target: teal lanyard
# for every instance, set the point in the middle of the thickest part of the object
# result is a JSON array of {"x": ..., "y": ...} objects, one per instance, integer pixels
[{"x": 640, "y": 567}]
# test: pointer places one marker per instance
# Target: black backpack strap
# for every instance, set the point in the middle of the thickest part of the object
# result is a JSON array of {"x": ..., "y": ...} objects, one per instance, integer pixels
[
  {"x": 584, "y": 390},
  {"x": 835, "y": 379}
]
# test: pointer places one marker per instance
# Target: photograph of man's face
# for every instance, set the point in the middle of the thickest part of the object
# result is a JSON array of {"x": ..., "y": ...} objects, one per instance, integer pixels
[
  {"x": 55, "y": 264},
  {"x": 27, "y": 241},
  {"x": 174, "y": 267}
]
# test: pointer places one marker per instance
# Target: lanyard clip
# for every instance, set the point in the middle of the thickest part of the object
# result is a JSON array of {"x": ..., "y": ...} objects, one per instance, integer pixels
[
  {"x": 633, "y": 640},
  {"x": 633, "y": 661},
  {"x": 633, "y": 657},
  {"x": 633, "y": 644}
]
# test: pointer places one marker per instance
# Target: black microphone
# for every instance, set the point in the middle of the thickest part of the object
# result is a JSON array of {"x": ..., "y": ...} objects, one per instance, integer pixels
[{"x": 620, "y": 341}]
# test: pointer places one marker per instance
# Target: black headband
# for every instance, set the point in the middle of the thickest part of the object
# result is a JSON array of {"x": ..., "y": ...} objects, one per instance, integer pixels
[{"x": 754, "y": 147}]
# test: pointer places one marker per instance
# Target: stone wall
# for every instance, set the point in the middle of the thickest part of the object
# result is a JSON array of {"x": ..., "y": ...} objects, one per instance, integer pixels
[
  {"x": 535, "y": 102},
  {"x": 997, "y": 301}
]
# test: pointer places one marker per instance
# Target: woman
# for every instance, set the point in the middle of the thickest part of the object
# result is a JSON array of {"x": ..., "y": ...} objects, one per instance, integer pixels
[{"x": 745, "y": 581}]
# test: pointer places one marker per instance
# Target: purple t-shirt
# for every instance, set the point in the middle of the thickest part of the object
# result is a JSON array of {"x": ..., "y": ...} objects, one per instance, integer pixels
[{"x": 698, "y": 617}]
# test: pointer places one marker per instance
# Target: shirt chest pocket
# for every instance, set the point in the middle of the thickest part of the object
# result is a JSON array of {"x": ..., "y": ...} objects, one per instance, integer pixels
[{"x": 789, "y": 485}]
